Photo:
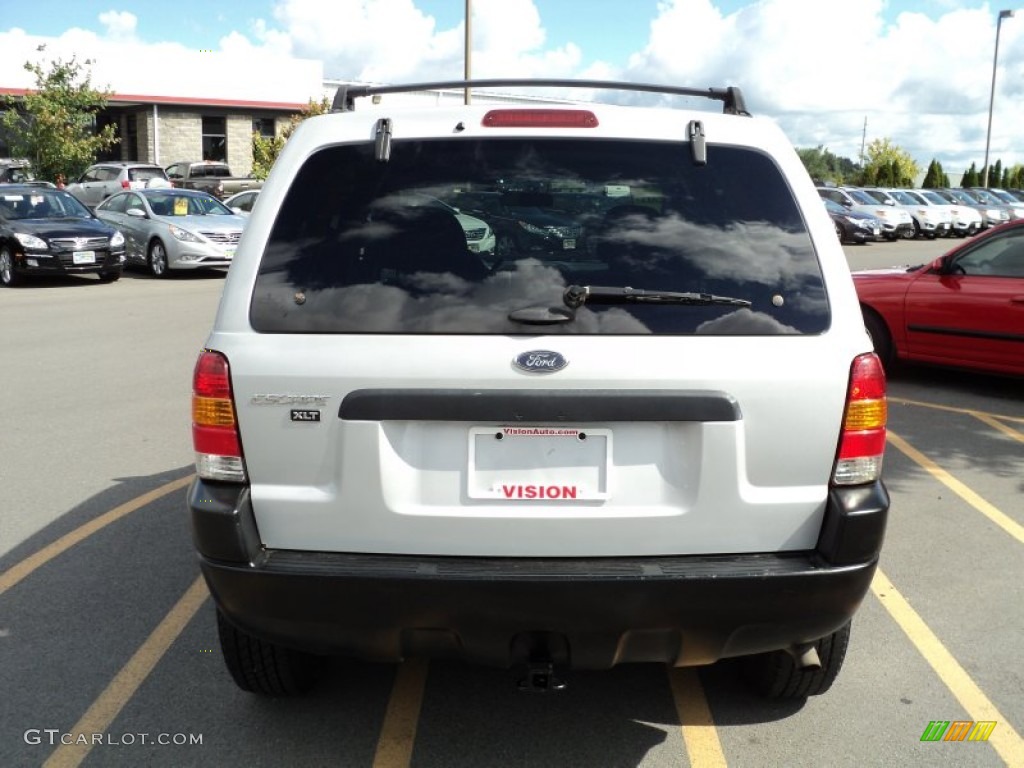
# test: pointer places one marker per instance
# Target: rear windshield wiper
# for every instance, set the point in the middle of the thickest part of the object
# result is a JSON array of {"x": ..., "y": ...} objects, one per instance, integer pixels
[{"x": 577, "y": 295}]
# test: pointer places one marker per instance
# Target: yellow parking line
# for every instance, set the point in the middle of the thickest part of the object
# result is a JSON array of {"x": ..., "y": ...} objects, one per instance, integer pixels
[
  {"x": 398, "y": 731},
  {"x": 1006, "y": 741},
  {"x": 954, "y": 409},
  {"x": 699, "y": 734},
  {"x": 110, "y": 703},
  {"x": 1012, "y": 527},
  {"x": 26, "y": 567},
  {"x": 992, "y": 422}
]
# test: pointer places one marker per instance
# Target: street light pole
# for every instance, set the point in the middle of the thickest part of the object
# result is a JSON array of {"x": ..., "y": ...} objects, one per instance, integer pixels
[
  {"x": 992, "y": 94},
  {"x": 469, "y": 47}
]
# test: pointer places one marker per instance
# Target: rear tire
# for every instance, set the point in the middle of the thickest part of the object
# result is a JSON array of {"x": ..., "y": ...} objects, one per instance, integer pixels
[
  {"x": 775, "y": 675},
  {"x": 262, "y": 667},
  {"x": 881, "y": 338}
]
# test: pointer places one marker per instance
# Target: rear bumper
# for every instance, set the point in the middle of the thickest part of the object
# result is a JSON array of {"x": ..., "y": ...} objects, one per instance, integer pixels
[{"x": 583, "y": 612}]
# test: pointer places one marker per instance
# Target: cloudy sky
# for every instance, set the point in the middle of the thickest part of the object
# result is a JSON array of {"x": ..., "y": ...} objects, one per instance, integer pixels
[{"x": 918, "y": 72}]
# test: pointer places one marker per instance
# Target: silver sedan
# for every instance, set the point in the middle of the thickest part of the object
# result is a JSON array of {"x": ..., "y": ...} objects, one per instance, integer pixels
[{"x": 167, "y": 229}]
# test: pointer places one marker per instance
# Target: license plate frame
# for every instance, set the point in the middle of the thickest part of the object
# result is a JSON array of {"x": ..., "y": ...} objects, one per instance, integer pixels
[
  {"x": 83, "y": 257},
  {"x": 562, "y": 464}
]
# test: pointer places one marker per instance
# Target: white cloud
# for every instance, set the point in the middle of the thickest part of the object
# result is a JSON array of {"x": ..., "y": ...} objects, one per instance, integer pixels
[
  {"x": 119, "y": 24},
  {"x": 371, "y": 40},
  {"x": 161, "y": 69},
  {"x": 394, "y": 41},
  {"x": 821, "y": 68}
]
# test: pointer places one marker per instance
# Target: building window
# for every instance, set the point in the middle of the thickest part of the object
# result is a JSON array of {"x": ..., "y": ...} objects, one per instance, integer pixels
[
  {"x": 116, "y": 151},
  {"x": 215, "y": 138},
  {"x": 264, "y": 126},
  {"x": 131, "y": 139}
]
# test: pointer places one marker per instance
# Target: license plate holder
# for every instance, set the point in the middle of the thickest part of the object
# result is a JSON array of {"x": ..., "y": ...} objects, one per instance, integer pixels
[
  {"x": 535, "y": 463},
  {"x": 83, "y": 257}
]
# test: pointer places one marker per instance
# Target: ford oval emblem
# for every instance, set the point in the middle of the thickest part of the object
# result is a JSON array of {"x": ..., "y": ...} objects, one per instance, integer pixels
[{"x": 540, "y": 361}]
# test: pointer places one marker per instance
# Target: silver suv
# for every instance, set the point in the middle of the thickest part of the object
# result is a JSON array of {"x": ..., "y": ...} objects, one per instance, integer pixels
[
  {"x": 661, "y": 441},
  {"x": 102, "y": 180}
]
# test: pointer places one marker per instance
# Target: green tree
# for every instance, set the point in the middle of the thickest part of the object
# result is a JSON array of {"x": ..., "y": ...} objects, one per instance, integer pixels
[
  {"x": 54, "y": 126},
  {"x": 824, "y": 166},
  {"x": 971, "y": 178},
  {"x": 935, "y": 178},
  {"x": 266, "y": 149},
  {"x": 888, "y": 164},
  {"x": 996, "y": 174}
]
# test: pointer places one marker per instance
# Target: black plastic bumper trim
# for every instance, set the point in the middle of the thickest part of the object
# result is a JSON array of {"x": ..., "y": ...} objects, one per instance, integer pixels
[
  {"x": 854, "y": 525},
  {"x": 682, "y": 611},
  {"x": 540, "y": 405}
]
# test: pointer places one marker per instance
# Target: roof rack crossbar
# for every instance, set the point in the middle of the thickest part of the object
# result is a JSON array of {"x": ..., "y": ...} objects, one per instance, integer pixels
[{"x": 732, "y": 98}]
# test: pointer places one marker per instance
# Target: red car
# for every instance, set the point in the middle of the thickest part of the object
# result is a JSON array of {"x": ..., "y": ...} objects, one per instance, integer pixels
[{"x": 965, "y": 309}]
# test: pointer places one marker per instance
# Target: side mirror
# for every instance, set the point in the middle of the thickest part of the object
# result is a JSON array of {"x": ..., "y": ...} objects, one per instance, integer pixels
[
  {"x": 946, "y": 265},
  {"x": 136, "y": 212}
]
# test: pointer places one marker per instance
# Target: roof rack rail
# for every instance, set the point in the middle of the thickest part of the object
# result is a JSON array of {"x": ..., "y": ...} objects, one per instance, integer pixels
[{"x": 344, "y": 98}]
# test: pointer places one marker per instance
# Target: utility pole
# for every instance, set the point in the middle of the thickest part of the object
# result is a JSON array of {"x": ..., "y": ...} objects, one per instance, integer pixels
[
  {"x": 863, "y": 138},
  {"x": 469, "y": 48},
  {"x": 992, "y": 95}
]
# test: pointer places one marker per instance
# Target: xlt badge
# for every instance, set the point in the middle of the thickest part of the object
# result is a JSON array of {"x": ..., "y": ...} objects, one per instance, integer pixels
[{"x": 301, "y": 415}]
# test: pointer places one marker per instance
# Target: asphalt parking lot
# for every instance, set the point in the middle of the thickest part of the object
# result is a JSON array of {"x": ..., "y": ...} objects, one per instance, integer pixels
[{"x": 108, "y": 647}]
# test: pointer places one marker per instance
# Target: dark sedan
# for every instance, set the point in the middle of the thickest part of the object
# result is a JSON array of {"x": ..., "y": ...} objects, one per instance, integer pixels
[
  {"x": 853, "y": 226},
  {"x": 965, "y": 309},
  {"x": 46, "y": 231}
]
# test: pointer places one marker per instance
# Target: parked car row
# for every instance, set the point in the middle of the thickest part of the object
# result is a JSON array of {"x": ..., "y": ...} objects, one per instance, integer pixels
[
  {"x": 910, "y": 213},
  {"x": 48, "y": 231},
  {"x": 896, "y": 222},
  {"x": 101, "y": 180}
]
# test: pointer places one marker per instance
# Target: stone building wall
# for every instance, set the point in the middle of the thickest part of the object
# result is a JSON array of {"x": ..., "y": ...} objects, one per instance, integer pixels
[
  {"x": 240, "y": 144},
  {"x": 181, "y": 136}
]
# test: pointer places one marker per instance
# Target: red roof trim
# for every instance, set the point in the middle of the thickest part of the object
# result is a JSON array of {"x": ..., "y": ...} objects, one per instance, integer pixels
[{"x": 116, "y": 98}]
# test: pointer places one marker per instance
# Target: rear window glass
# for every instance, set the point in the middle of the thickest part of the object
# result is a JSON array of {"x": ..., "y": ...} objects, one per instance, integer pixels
[
  {"x": 145, "y": 174},
  {"x": 489, "y": 236}
]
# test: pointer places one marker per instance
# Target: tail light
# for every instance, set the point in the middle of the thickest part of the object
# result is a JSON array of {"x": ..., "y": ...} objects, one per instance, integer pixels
[
  {"x": 125, "y": 184},
  {"x": 215, "y": 436},
  {"x": 862, "y": 441}
]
